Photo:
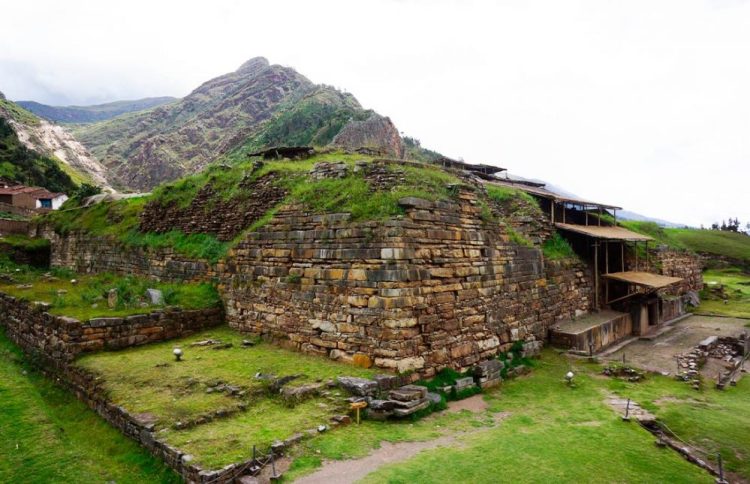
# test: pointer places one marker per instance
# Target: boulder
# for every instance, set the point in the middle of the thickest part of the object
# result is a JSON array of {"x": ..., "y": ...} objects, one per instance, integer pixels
[
  {"x": 358, "y": 386},
  {"x": 155, "y": 296}
]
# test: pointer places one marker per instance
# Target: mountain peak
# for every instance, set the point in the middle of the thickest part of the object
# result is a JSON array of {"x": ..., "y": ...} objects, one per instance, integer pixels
[{"x": 253, "y": 65}]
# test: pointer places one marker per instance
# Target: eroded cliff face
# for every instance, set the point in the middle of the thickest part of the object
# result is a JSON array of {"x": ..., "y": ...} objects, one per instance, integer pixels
[
  {"x": 376, "y": 132},
  {"x": 45, "y": 139},
  {"x": 54, "y": 140}
]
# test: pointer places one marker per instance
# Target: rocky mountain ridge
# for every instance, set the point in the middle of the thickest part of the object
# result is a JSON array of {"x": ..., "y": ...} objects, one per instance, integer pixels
[
  {"x": 90, "y": 114},
  {"x": 258, "y": 105}
]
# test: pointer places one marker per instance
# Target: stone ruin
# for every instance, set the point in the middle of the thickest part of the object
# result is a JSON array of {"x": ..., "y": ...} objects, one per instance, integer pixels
[{"x": 730, "y": 352}]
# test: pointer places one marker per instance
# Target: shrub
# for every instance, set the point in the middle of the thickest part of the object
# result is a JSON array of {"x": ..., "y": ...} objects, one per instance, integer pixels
[{"x": 557, "y": 248}]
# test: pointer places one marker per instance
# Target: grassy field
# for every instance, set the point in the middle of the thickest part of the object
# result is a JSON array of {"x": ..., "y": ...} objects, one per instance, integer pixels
[
  {"x": 88, "y": 297},
  {"x": 735, "y": 285},
  {"x": 147, "y": 380},
  {"x": 46, "y": 435},
  {"x": 551, "y": 433}
]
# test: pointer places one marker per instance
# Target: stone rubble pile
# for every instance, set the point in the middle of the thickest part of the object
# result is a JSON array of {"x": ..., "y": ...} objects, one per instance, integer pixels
[{"x": 487, "y": 373}]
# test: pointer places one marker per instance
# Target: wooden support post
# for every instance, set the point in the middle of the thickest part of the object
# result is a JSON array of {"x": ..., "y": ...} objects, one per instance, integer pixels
[
  {"x": 636, "y": 256},
  {"x": 606, "y": 257},
  {"x": 596, "y": 276},
  {"x": 622, "y": 255},
  {"x": 563, "y": 209},
  {"x": 614, "y": 213},
  {"x": 552, "y": 212},
  {"x": 587, "y": 217},
  {"x": 600, "y": 216}
]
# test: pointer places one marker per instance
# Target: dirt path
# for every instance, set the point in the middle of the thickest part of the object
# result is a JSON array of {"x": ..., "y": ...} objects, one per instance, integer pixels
[
  {"x": 347, "y": 471},
  {"x": 352, "y": 470}
]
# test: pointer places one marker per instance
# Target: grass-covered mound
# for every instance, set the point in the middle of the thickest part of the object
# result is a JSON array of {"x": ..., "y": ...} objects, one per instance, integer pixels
[
  {"x": 87, "y": 297},
  {"x": 121, "y": 219},
  {"x": 47, "y": 435},
  {"x": 147, "y": 380}
]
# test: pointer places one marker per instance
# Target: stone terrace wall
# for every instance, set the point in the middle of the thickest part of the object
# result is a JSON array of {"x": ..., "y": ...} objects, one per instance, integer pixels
[
  {"x": 85, "y": 253},
  {"x": 61, "y": 339},
  {"x": 682, "y": 264},
  {"x": 675, "y": 263},
  {"x": 436, "y": 288},
  {"x": 54, "y": 341}
]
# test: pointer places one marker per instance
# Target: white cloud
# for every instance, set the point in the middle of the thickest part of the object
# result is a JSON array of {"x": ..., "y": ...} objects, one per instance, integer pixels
[{"x": 642, "y": 104}]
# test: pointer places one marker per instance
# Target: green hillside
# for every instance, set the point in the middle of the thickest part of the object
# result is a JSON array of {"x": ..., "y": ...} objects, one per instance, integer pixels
[{"x": 728, "y": 244}]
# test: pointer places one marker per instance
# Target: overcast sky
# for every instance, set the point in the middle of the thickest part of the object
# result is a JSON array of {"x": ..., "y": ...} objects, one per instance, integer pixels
[{"x": 641, "y": 104}]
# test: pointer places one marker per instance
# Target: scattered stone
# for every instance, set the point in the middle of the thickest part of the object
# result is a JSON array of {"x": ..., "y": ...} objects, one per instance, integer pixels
[
  {"x": 246, "y": 343},
  {"x": 112, "y": 298},
  {"x": 155, "y": 296},
  {"x": 302, "y": 392},
  {"x": 341, "y": 419}
]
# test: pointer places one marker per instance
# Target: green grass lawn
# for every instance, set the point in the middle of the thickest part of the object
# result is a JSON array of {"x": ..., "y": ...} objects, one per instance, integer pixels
[
  {"x": 736, "y": 284},
  {"x": 553, "y": 434},
  {"x": 714, "y": 420},
  {"x": 88, "y": 298},
  {"x": 148, "y": 380},
  {"x": 728, "y": 244},
  {"x": 48, "y": 436}
]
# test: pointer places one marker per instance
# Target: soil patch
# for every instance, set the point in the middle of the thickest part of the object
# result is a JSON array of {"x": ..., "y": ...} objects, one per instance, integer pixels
[{"x": 474, "y": 404}]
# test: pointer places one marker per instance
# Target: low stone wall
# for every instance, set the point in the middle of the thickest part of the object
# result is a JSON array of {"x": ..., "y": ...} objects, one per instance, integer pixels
[
  {"x": 87, "y": 254},
  {"x": 14, "y": 226},
  {"x": 439, "y": 287},
  {"x": 61, "y": 339}
]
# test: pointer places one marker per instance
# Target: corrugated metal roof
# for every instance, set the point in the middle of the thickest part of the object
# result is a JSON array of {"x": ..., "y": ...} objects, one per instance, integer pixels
[
  {"x": 610, "y": 233},
  {"x": 646, "y": 279},
  {"x": 544, "y": 193}
]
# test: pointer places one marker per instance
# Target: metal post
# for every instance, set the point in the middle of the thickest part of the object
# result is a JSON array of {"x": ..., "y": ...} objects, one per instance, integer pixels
[
  {"x": 721, "y": 468},
  {"x": 627, "y": 409},
  {"x": 587, "y": 217},
  {"x": 273, "y": 467}
]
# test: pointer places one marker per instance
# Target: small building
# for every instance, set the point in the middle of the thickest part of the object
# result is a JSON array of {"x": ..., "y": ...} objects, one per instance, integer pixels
[{"x": 31, "y": 198}]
